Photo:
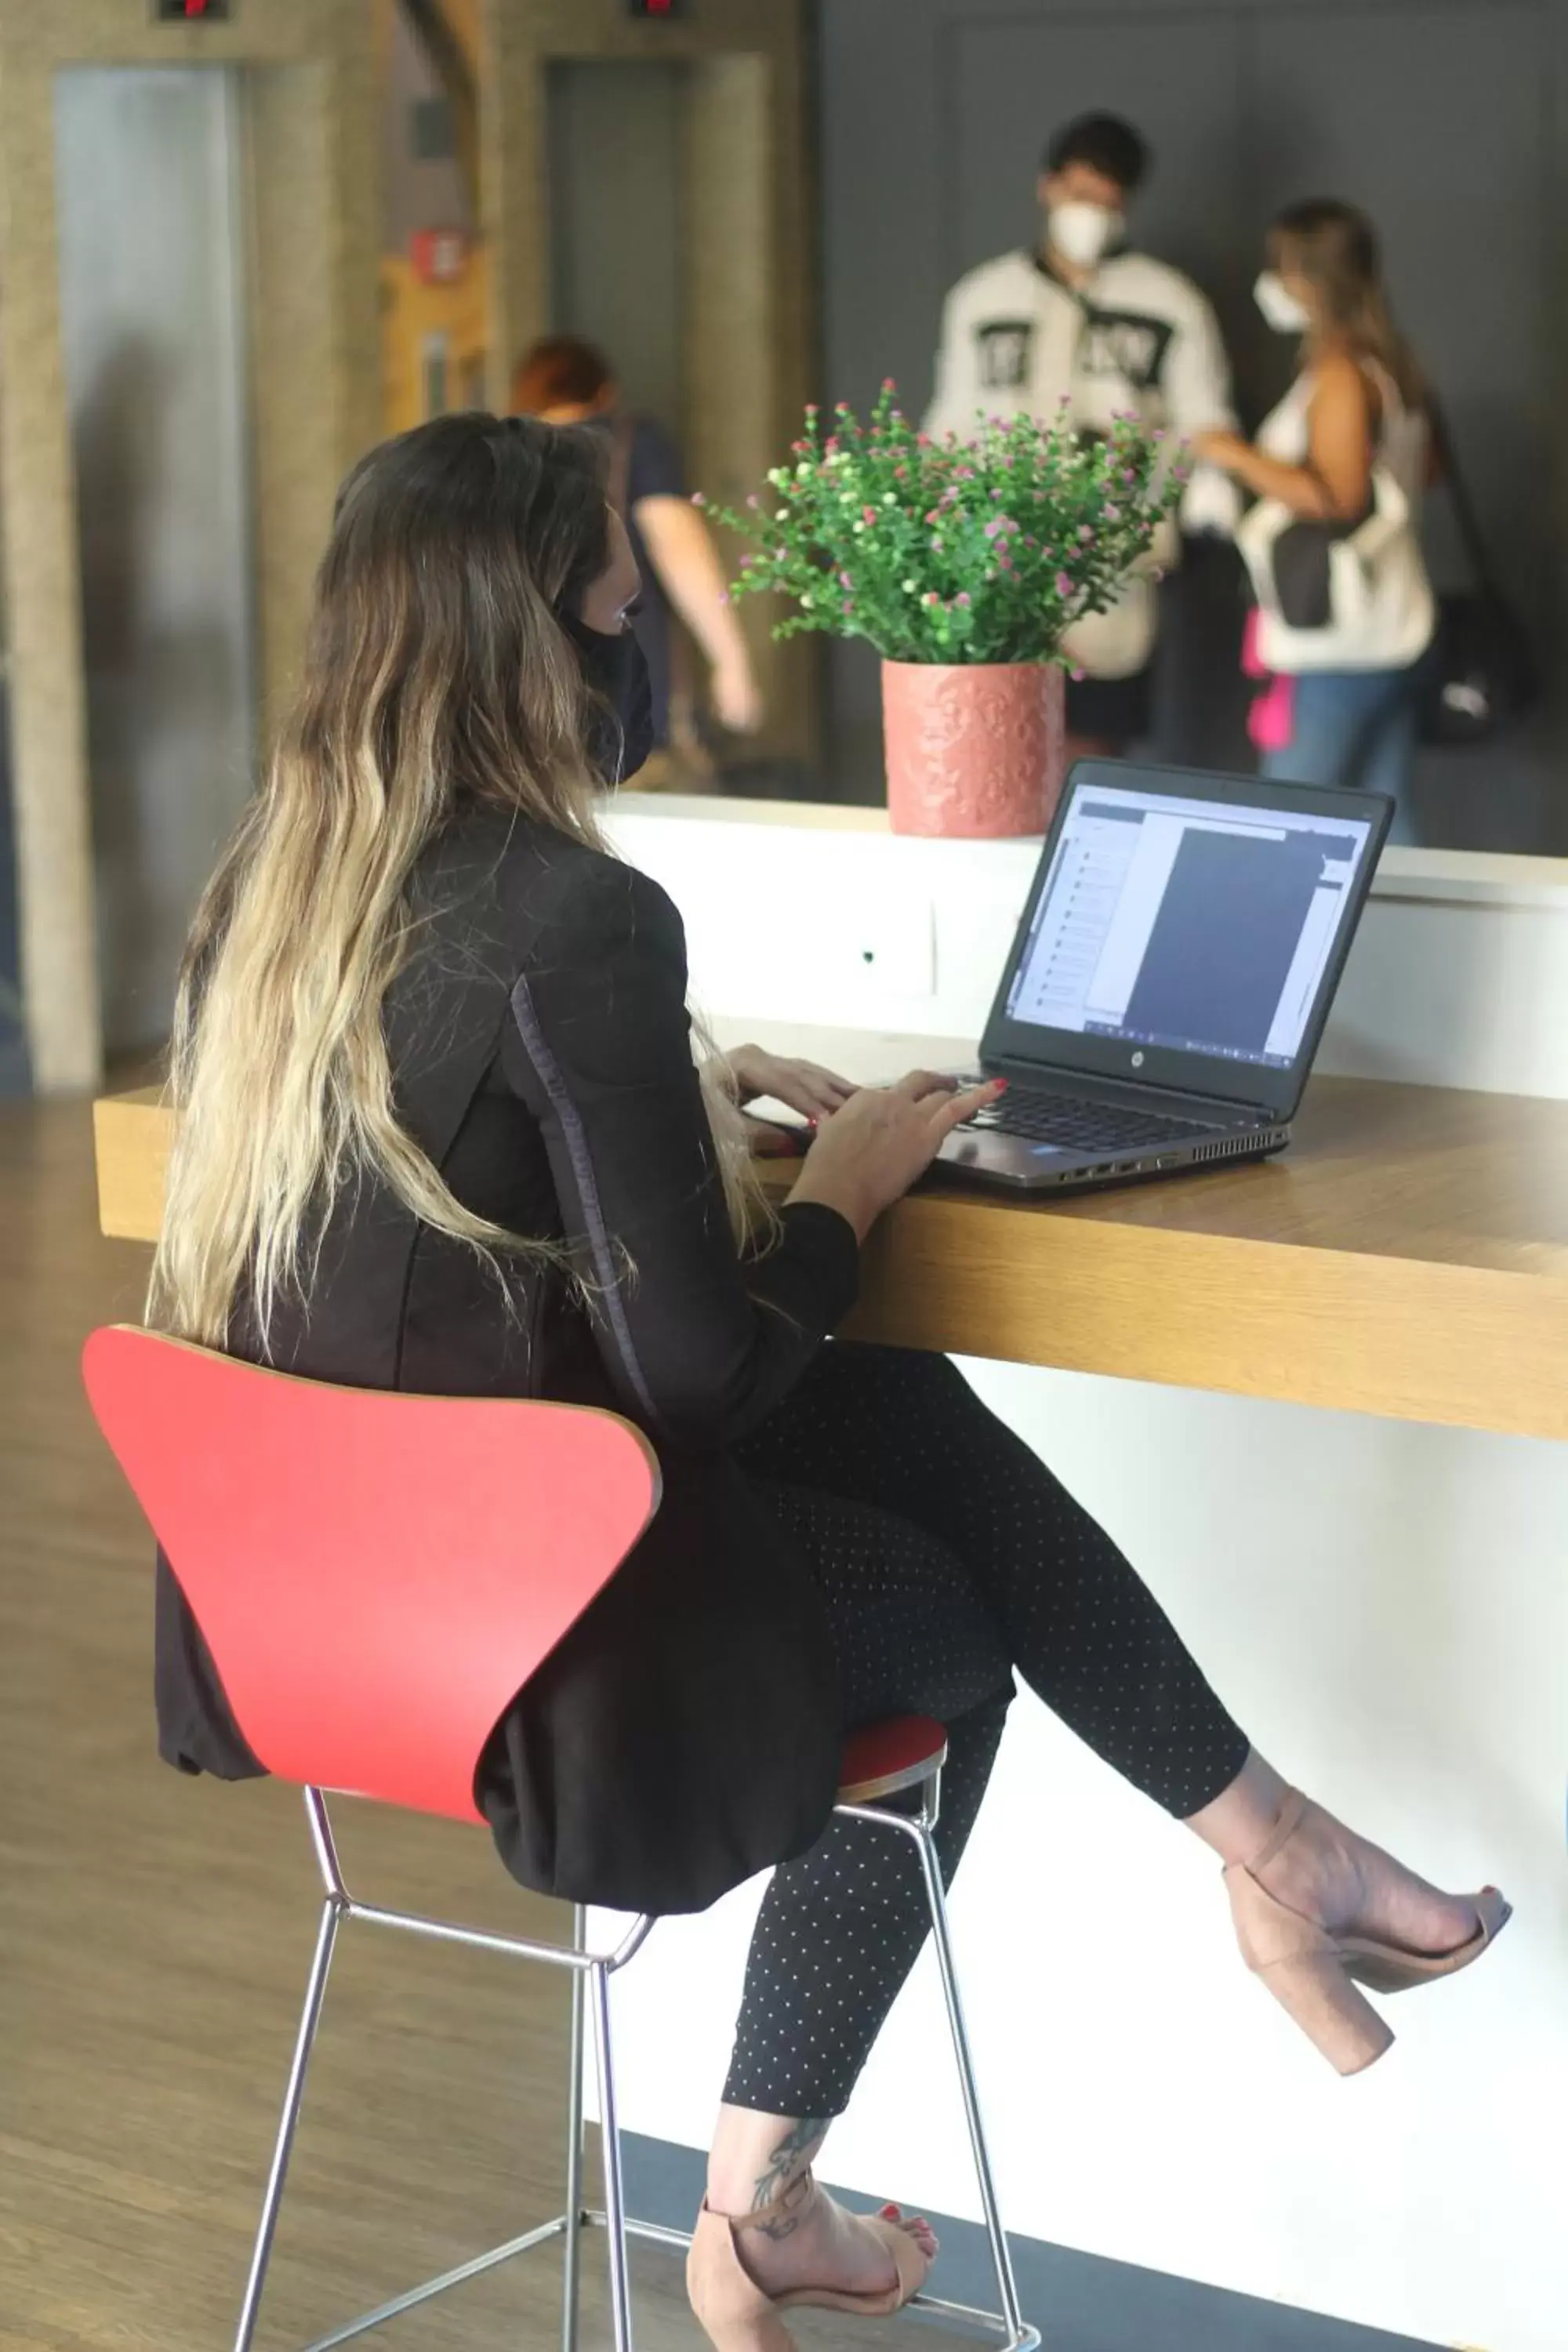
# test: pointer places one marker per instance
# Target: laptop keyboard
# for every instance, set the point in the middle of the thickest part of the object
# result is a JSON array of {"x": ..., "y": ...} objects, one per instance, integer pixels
[{"x": 1078, "y": 1126}]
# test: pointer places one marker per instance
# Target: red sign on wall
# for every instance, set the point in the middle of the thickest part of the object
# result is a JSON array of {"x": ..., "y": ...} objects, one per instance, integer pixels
[{"x": 438, "y": 256}]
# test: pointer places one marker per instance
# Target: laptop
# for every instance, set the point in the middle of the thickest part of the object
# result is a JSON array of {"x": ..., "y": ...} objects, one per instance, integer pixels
[{"x": 1168, "y": 987}]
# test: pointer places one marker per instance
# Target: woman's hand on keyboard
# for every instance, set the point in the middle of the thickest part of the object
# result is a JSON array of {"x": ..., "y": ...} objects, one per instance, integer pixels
[
  {"x": 869, "y": 1154},
  {"x": 747, "y": 1073}
]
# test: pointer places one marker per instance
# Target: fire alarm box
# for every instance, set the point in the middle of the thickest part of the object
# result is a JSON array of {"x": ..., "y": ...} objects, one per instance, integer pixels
[{"x": 438, "y": 256}]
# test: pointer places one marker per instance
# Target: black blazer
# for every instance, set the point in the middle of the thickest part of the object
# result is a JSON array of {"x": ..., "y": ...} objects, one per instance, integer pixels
[{"x": 686, "y": 1733}]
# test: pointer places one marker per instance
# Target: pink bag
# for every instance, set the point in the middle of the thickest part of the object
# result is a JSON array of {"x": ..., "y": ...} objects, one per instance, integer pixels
[{"x": 1271, "y": 720}]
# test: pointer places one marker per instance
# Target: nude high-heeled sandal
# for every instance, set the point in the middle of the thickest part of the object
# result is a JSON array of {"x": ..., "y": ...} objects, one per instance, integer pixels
[
  {"x": 1316, "y": 1977},
  {"x": 734, "y": 2311}
]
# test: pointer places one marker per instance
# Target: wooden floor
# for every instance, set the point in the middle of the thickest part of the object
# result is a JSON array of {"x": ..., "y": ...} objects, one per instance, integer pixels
[{"x": 155, "y": 1934}]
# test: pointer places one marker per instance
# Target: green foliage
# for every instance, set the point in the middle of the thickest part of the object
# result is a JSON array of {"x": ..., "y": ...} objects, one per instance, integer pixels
[{"x": 981, "y": 551}]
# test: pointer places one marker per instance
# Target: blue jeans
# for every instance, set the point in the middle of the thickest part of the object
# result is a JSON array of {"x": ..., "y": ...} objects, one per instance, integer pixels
[{"x": 1356, "y": 728}]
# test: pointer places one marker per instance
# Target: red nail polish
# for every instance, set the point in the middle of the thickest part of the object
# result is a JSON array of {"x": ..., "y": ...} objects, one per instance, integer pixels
[{"x": 1001, "y": 1085}]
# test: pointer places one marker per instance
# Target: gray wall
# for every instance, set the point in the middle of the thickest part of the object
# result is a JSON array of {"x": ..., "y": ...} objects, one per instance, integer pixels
[
  {"x": 1440, "y": 116},
  {"x": 416, "y": 191}
]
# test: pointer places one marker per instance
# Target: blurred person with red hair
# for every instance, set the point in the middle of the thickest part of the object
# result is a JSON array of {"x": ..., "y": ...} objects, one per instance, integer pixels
[{"x": 566, "y": 381}]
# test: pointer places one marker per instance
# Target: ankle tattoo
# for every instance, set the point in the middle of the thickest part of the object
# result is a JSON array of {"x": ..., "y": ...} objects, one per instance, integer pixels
[{"x": 787, "y": 2165}]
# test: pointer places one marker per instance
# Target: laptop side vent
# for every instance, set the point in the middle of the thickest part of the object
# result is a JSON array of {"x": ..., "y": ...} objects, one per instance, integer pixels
[{"x": 1234, "y": 1147}]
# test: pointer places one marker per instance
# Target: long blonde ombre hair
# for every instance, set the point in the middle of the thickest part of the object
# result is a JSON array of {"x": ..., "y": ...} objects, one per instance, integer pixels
[
  {"x": 1334, "y": 248},
  {"x": 437, "y": 675}
]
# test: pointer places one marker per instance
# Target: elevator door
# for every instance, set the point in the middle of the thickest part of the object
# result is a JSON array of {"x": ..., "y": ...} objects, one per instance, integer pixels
[
  {"x": 150, "y": 256},
  {"x": 616, "y": 222}
]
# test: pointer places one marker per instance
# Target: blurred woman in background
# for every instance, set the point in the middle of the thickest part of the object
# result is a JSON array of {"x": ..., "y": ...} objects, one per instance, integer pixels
[
  {"x": 1346, "y": 612},
  {"x": 566, "y": 381}
]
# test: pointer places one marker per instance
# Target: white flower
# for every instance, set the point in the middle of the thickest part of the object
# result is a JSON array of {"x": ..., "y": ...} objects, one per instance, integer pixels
[
  {"x": 781, "y": 514},
  {"x": 800, "y": 471},
  {"x": 859, "y": 528},
  {"x": 777, "y": 475},
  {"x": 805, "y": 599},
  {"x": 910, "y": 587},
  {"x": 888, "y": 500}
]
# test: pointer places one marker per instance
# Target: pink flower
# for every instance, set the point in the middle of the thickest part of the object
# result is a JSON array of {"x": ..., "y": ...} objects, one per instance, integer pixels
[
  {"x": 811, "y": 408},
  {"x": 931, "y": 597},
  {"x": 963, "y": 600},
  {"x": 1086, "y": 535},
  {"x": 1112, "y": 514},
  {"x": 844, "y": 579},
  {"x": 831, "y": 444},
  {"x": 754, "y": 500},
  {"x": 698, "y": 499},
  {"x": 1064, "y": 585},
  {"x": 1004, "y": 563},
  {"x": 888, "y": 385},
  {"x": 867, "y": 515},
  {"x": 923, "y": 440}
]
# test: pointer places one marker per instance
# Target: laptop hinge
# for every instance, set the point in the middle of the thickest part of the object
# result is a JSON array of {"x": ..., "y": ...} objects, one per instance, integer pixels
[{"x": 1091, "y": 1083}]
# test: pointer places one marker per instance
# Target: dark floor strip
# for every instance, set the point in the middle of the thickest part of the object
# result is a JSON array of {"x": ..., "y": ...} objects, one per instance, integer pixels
[{"x": 1080, "y": 2303}]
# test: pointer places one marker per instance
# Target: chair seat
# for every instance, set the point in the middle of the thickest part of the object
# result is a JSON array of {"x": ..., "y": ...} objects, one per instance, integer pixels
[{"x": 882, "y": 1758}]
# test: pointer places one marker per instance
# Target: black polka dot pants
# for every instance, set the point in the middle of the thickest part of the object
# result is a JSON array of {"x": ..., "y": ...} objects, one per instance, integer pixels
[{"x": 947, "y": 1556}]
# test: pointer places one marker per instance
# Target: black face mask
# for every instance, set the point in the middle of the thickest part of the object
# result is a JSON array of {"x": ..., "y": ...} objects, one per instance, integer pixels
[{"x": 615, "y": 670}]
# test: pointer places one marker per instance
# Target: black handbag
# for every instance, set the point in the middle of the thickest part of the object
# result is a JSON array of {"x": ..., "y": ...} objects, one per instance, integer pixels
[
  {"x": 1484, "y": 678},
  {"x": 1303, "y": 582}
]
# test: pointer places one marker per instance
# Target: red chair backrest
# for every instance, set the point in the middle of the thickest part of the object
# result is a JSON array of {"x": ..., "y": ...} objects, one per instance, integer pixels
[{"x": 375, "y": 1574}]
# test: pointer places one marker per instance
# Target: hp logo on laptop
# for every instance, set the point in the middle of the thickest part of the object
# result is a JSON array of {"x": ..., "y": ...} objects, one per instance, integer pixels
[{"x": 1137, "y": 1061}]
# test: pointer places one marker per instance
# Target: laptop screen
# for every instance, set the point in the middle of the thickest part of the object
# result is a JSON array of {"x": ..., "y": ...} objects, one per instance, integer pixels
[{"x": 1196, "y": 925}]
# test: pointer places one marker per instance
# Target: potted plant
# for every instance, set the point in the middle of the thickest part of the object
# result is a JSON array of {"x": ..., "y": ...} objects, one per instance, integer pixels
[{"x": 965, "y": 563}]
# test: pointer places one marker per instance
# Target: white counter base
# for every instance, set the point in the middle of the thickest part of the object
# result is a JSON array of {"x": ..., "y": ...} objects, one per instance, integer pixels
[{"x": 1385, "y": 1608}]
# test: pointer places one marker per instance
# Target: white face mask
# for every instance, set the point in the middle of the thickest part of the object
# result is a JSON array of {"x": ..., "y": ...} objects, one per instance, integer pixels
[
  {"x": 1081, "y": 232},
  {"x": 1279, "y": 306}
]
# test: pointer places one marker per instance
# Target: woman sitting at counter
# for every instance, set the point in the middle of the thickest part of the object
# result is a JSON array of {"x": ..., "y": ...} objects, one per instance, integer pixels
[{"x": 442, "y": 1128}]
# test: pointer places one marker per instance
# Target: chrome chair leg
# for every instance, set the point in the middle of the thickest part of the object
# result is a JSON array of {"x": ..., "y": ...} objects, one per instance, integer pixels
[
  {"x": 614, "y": 2186},
  {"x": 332, "y": 1911},
  {"x": 572, "y": 2263},
  {"x": 936, "y": 1899}
]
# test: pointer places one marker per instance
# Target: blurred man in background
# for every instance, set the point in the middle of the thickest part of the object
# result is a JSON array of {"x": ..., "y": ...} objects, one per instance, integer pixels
[
  {"x": 568, "y": 381},
  {"x": 1087, "y": 318}
]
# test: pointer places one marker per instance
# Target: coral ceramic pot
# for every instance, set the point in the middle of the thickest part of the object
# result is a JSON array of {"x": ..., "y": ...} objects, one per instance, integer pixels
[{"x": 976, "y": 751}]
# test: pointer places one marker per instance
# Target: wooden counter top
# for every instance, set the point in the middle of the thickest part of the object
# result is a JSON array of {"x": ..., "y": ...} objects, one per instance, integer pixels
[{"x": 1408, "y": 1257}]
